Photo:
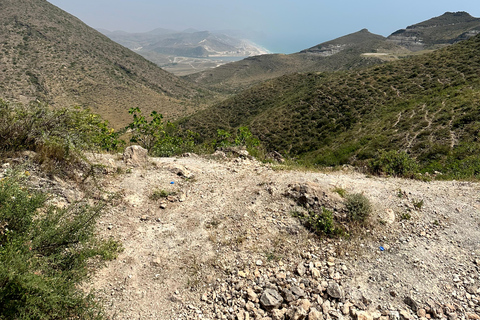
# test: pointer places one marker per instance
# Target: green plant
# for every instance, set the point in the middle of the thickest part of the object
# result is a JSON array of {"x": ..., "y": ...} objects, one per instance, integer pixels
[
  {"x": 322, "y": 223},
  {"x": 406, "y": 216},
  {"x": 159, "y": 194},
  {"x": 358, "y": 207},
  {"x": 272, "y": 256},
  {"x": 61, "y": 135},
  {"x": 342, "y": 192},
  {"x": 417, "y": 204},
  {"x": 159, "y": 138},
  {"x": 212, "y": 224},
  {"x": 44, "y": 253},
  {"x": 394, "y": 163},
  {"x": 243, "y": 137}
]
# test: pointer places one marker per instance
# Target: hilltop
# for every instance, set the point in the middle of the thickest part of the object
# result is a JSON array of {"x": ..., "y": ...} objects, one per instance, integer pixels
[
  {"x": 49, "y": 55},
  {"x": 424, "y": 105},
  {"x": 449, "y": 28}
]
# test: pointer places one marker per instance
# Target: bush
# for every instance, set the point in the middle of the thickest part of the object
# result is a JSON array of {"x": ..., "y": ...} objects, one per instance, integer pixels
[
  {"x": 60, "y": 135},
  {"x": 358, "y": 206},
  {"x": 44, "y": 252},
  {"x": 242, "y": 138},
  {"x": 321, "y": 222},
  {"x": 394, "y": 163},
  {"x": 159, "y": 138}
]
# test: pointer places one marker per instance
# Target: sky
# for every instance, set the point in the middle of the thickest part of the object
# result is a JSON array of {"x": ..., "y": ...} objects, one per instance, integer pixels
[{"x": 281, "y": 26}]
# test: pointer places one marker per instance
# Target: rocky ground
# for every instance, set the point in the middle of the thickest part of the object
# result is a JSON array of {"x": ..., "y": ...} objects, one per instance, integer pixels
[{"x": 216, "y": 238}]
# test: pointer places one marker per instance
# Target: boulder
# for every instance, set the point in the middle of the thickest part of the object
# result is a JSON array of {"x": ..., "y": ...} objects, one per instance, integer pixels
[{"x": 135, "y": 156}]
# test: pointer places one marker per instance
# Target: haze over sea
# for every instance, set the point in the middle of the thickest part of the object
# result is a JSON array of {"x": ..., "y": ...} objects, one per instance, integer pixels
[{"x": 283, "y": 26}]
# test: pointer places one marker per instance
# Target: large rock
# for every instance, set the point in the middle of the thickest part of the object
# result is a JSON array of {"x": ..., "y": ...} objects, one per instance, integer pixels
[
  {"x": 271, "y": 299},
  {"x": 135, "y": 156}
]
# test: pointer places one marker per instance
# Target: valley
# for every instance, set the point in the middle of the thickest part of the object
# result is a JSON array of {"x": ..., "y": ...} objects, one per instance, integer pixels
[{"x": 194, "y": 175}]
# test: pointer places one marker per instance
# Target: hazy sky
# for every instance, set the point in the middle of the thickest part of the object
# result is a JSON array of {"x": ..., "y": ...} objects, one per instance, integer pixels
[{"x": 284, "y": 26}]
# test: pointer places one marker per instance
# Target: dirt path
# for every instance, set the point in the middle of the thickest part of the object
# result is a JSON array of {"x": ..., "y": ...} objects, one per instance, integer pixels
[{"x": 229, "y": 228}]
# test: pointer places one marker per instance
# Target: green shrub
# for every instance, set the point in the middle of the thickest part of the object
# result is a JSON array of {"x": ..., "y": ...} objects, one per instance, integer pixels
[
  {"x": 394, "y": 163},
  {"x": 341, "y": 192},
  {"x": 358, "y": 206},
  {"x": 159, "y": 194},
  {"x": 321, "y": 222},
  {"x": 60, "y": 135},
  {"x": 159, "y": 138},
  {"x": 242, "y": 138},
  {"x": 44, "y": 252}
]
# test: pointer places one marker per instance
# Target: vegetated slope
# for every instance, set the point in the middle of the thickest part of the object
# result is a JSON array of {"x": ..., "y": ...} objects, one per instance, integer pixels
[
  {"x": 446, "y": 29},
  {"x": 426, "y": 105},
  {"x": 342, "y": 53},
  {"x": 358, "y": 49},
  {"x": 47, "y": 54}
]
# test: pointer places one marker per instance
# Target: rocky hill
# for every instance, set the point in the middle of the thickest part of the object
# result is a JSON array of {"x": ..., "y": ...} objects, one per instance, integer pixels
[
  {"x": 47, "y": 54},
  {"x": 446, "y": 29},
  {"x": 352, "y": 51},
  {"x": 424, "y": 105},
  {"x": 362, "y": 37},
  {"x": 340, "y": 54}
]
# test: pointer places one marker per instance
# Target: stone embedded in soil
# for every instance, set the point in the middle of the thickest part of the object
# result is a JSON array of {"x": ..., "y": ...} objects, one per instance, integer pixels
[
  {"x": 334, "y": 290},
  {"x": 271, "y": 299},
  {"x": 412, "y": 303},
  {"x": 301, "y": 269}
]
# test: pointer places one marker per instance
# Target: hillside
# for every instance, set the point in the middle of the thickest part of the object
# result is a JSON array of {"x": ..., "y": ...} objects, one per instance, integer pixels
[
  {"x": 339, "y": 54},
  {"x": 446, "y": 29},
  {"x": 49, "y": 55},
  {"x": 425, "y": 105}
]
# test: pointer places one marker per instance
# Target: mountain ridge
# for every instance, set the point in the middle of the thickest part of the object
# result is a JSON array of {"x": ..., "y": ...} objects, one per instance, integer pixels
[
  {"x": 354, "y": 50},
  {"x": 449, "y": 28},
  {"x": 332, "y": 55}
]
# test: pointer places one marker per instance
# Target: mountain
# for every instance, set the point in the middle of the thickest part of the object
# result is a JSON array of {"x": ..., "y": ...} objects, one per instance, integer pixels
[
  {"x": 426, "y": 105},
  {"x": 342, "y": 53},
  {"x": 187, "y": 51},
  {"x": 189, "y": 43},
  {"x": 360, "y": 38},
  {"x": 48, "y": 54},
  {"x": 355, "y": 50},
  {"x": 446, "y": 29}
]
